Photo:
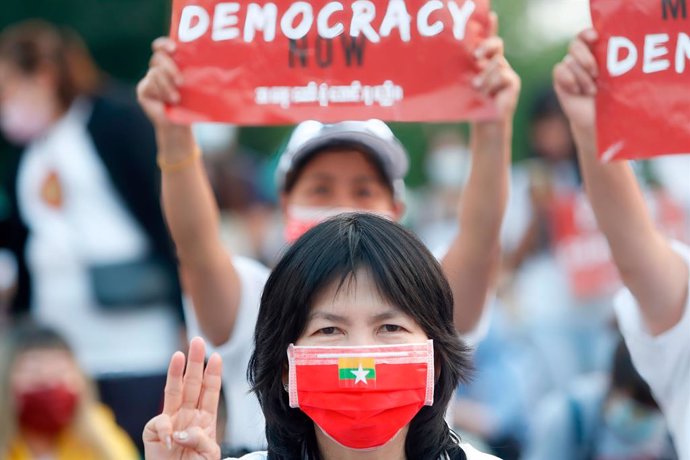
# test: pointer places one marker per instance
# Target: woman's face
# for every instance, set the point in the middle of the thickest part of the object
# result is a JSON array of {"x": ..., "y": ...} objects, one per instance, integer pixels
[
  {"x": 28, "y": 103},
  {"x": 342, "y": 179},
  {"x": 40, "y": 369},
  {"x": 357, "y": 315}
]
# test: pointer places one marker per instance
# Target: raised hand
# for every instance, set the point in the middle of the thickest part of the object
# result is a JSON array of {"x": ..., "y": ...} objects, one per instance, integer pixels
[
  {"x": 497, "y": 79},
  {"x": 160, "y": 85},
  {"x": 186, "y": 430},
  {"x": 575, "y": 82}
]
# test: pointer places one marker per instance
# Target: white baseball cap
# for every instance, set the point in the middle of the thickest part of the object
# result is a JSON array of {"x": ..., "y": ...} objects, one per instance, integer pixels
[{"x": 372, "y": 137}]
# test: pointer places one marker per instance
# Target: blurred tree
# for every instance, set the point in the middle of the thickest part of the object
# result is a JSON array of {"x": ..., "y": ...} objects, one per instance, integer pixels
[{"x": 119, "y": 33}]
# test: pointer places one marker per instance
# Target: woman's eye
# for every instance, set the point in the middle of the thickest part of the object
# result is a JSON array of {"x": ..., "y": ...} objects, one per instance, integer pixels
[
  {"x": 320, "y": 191},
  {"x": 364, "y": 193},
  {"x": 328, "y": 331},
  {"x": 391, "y": 328}
]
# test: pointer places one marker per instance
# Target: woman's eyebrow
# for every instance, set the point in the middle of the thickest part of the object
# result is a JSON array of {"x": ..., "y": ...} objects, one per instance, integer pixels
[
  {"x": 328, "y": 317},
  {"x": 390, "y": 314}
]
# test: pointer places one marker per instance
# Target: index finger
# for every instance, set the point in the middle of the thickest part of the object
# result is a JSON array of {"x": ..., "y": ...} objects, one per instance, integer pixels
[
  {"x": 165, "y": 44},
  {"x": 493, "y": 24},
  {"x": 589, "y": 36},
  {"x": 173, "y": 384}
]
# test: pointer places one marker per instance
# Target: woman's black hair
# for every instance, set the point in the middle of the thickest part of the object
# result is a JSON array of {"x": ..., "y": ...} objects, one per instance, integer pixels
[
  {"x": 406, "y": 275},
  {"x": 626, "y": 379},
  {"x": 33, "y": 45}
]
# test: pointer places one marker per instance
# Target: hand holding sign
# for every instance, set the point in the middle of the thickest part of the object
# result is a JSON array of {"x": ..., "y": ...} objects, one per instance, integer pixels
[
  {"x": 644, "y": 56},
  {"x": 497, "y": 79},
  {"x": 575, "y": 83}
]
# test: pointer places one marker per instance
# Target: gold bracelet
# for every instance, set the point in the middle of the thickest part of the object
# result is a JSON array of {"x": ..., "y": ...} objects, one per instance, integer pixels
[{"x": 166, "y": 167}]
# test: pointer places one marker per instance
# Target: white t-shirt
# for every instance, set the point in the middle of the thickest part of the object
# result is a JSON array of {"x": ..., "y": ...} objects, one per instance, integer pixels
[
  {"x": 470, "y": 452},
  {"x": 663, "y": 361},
  {"x": 246, "y": 425},
  {"x": 77, "y": 219}
]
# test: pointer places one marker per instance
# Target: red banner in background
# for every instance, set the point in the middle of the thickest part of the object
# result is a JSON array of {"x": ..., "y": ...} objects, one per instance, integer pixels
[
  {"x": 581, "y": 249},
  {"x": 287, "y": 61},
  {"x": 643, "y": 104}
]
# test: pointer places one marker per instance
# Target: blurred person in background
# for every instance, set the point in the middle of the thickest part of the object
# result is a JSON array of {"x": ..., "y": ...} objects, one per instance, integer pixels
[
  {"x": 325, "y": 170},
  {"x": 494, "y": 405},
  {"x": 569, "y": 331},
  {"x": 447, "y": 165},
  {"x": 654, "y": 309},
  {"x": 95, "y": 259},
  {"x": 602, "y": 417},
  {"x": 48, "y": 408}
]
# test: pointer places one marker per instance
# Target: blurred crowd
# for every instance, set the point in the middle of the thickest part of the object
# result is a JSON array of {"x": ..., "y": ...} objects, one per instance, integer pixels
[{"x": 91, "y": 303}]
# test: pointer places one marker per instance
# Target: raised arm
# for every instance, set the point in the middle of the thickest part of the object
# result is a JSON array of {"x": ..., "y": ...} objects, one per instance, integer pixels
[
  {"x": 474, "y": 255},
  {"x": 656, "y": 276},
  {"x": 190, "y": 209}
]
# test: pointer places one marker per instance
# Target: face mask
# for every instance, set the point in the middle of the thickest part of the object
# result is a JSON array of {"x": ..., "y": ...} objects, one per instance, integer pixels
[
  {"x": 301, "y": 219},
  {"x": 361, "y": 396},
  {"x": 631, "y": 423},
  {"x": 22, "y": 122},
  {"x": 449, "y": 166},
  {"x": 47, "y": 411}
]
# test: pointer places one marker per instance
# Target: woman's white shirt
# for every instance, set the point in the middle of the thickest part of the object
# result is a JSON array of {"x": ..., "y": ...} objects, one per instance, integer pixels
[
  {"x": 663, "y": 361},
  {"x": 470, "y": 452}
]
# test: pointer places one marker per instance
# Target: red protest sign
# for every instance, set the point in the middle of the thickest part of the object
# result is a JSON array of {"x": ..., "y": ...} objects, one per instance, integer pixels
[
  {"x": 287, "y": 61},
  {"x": 581, "y": 249},
  {"x": 643, "y": 104}
]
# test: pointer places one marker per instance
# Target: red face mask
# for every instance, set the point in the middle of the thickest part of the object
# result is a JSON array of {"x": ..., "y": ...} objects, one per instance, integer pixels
[
  {"x": 46, "y": 411},
  {"x": 301, "y": 219},
  {"x": 362, "y": 396}
]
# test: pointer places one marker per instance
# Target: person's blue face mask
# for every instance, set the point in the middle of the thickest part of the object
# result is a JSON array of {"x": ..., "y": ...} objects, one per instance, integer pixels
[{"x": 631, "y": 422}]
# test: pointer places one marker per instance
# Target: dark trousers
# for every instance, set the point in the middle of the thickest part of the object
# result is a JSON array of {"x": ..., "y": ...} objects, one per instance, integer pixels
[{"x": 134, "y": 400}]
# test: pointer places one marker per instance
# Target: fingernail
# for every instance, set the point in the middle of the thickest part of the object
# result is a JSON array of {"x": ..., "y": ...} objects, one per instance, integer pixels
[
  {"x": 181, "y": 435},
  {"x": 476, "y": 82},
  {"x": 479, "y": 52},
  {"x": 168, "y": 442}
]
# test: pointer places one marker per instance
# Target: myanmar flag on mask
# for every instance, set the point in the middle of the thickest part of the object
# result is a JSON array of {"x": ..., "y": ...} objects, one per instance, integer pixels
[{"x": 355, "y": 370}]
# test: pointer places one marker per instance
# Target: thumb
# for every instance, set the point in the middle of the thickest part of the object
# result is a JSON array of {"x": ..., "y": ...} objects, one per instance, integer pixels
[
  {"x": 159, "y": 429},
  {"x": 199, "y": 441}
]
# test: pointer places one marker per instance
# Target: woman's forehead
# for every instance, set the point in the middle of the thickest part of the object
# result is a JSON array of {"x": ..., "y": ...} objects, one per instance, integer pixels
[{"x": 356, "y": 293}]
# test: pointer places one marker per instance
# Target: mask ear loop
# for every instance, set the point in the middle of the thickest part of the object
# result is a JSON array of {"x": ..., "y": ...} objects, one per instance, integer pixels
[
  {"x": 292, "y": 378},
  {"x": 430, "y": 374}
]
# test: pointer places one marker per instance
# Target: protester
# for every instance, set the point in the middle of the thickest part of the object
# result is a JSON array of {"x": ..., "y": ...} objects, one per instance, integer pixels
[
  {"x": 324, "y": 170},
  {"x": 86, "y": 217},
  {"x": 47, "y": 405},
  {"x": 602, "y": 417},
  {"x": 568, "y": 328},
  {"x": 358, "y": 290},
  {"x": 654, "y": 311}
]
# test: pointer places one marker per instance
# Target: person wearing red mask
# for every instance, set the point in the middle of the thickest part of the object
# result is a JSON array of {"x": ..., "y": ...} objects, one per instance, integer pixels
[
  {"x": 47, "y": 405},
  {"x": 325, "y": 170},
  {"x": 356, "y": 356},
  {"x": 95, "y": 260}
]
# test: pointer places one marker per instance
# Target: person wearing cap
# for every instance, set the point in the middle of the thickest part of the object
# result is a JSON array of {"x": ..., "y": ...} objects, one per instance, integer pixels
[{"x": 325, "y": 169}]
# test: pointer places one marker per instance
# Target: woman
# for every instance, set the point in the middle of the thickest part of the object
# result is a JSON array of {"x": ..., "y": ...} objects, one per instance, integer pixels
[
  {"x": 47, "y": 406},
  {"x": 353, "y": 306},
  {"x": 88, "y": 231}
]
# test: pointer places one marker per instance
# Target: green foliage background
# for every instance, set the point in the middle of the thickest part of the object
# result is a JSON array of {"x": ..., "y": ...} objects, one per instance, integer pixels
[{"x": 119, "y": 33}]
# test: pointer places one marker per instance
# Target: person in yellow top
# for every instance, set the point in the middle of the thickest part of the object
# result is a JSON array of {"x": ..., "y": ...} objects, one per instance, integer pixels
[{"x": 48, "y": 410}]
